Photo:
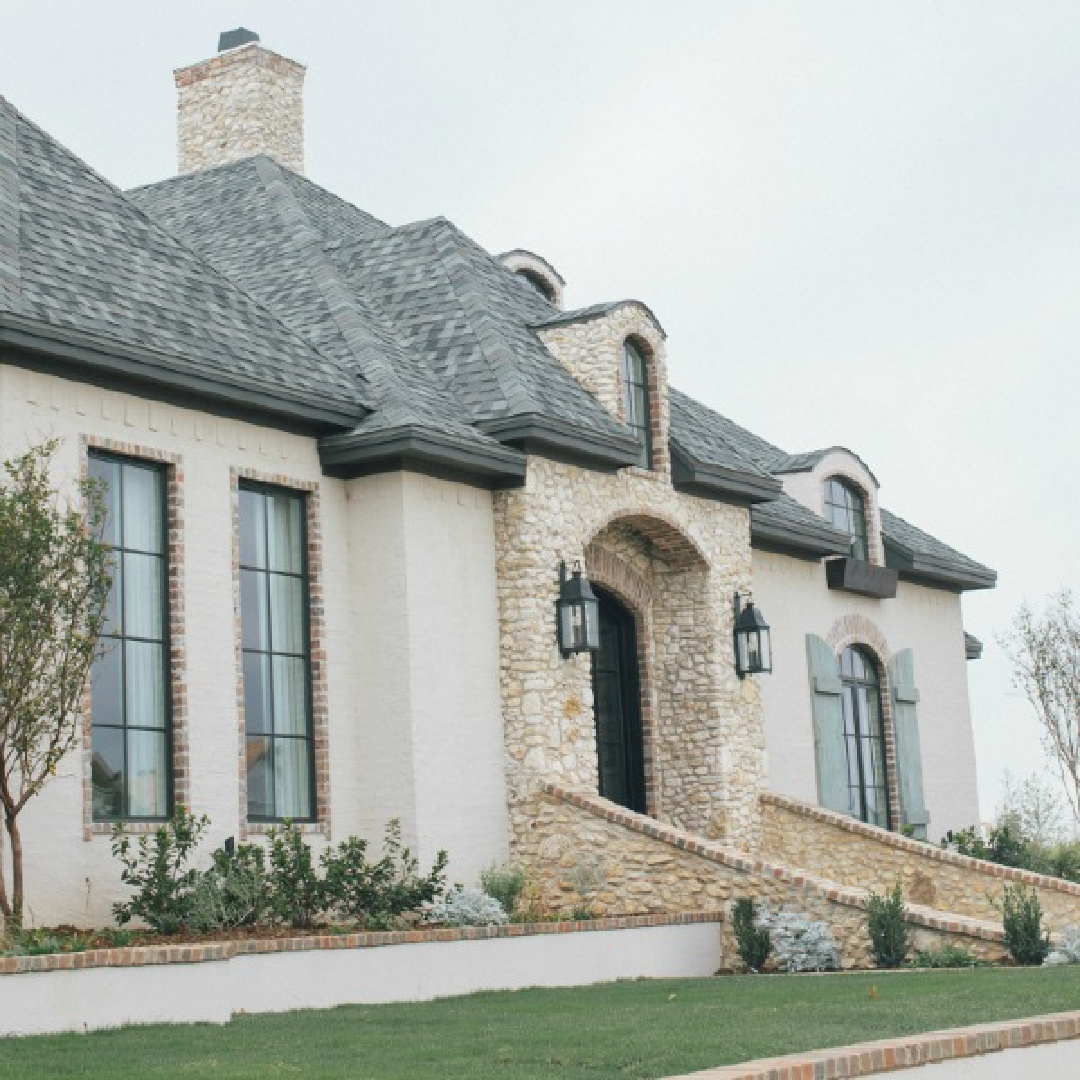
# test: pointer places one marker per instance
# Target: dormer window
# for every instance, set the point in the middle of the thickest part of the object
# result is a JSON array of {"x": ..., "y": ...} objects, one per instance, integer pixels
[
  {"x": 845, "y": 507},
  {"x": 638, "y": 411},
  {"x": 541, "y": 285}
]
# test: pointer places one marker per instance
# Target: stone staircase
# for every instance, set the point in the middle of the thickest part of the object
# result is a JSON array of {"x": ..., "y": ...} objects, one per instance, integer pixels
[{"x": 581, "y": 846}]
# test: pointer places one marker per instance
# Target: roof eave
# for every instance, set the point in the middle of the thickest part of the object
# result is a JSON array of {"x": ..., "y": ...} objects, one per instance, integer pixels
[
  {"x": 545, "y": 437},
  {"x": 69, "y": 352},
  {"x": 418, "y": 449},
  {"x": 720, "y": 482},
  {"x": 928, "y": 570},
  {"x": 798, "y": 539}
]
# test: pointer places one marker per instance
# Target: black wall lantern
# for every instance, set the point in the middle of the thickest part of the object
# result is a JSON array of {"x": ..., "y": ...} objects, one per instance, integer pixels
[
  {"x": 753, "y": 648},
  {"x": 577, "y": 613}
]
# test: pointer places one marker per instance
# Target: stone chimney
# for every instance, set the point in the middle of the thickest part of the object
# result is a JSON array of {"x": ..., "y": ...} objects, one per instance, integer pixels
[{"x": 246, "y": 100}]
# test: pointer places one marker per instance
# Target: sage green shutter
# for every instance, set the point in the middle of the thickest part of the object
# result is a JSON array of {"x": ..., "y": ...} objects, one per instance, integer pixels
[
  {"x": 830, "y": 751},
  {"x": 908, "y": 753}
]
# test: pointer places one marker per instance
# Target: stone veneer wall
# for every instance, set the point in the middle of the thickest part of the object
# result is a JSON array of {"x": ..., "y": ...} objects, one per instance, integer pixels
[
  {"x": 239, "y": 103},
  {"x": 848, "y": 851},
  {"x": 583, "y": 848},
  {"x": 686, "y": 557}
]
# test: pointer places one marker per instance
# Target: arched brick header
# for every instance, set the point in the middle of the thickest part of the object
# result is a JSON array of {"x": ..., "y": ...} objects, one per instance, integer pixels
[
  {"x": 606, "y": 568},
  {"x": 669, "y": 540},
  {"x": 859, "y": 630}
]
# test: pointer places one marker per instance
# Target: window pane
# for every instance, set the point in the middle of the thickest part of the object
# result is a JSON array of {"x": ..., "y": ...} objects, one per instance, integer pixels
[
  {"x": 257, "y": 716},
  {"x": 144, "y": 683},
  {"x": 260, "y": 778},
  {"x": 147, "y": 780},
  {"x": 286, "y": 614},
  {"x": 253, "y": 614},
  {"x": 116, "y": 590},
  {"x": 292, "y": 779},
  {"x": 142, "y": 596},
  {"x": 284, "y": 532},
  {"x": 107, "y": 772},
  {"x": 107, "y": 686},
  {"x": 108, "y": 474},
  {"x": 142, "y": 509},
  {"x": 252, "y": 528},
  {"x": 290, "y": 696}
]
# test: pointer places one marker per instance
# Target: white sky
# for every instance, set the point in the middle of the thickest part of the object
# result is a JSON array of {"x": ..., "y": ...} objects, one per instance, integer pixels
[{"x": 857, "y": 221}]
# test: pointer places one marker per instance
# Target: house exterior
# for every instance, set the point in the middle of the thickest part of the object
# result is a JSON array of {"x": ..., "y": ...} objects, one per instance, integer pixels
[{"x": 345, "y": 462}]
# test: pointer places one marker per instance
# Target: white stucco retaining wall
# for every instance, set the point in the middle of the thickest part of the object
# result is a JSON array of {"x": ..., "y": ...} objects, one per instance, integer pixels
[
  {"x": 796, "y": 600},
  {"x": 211, "y": 991}
]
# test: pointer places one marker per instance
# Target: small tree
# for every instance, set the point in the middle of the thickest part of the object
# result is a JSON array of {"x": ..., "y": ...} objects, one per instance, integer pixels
[
  {"x": 54, "y": 583},
  {"x": 1044, "y": 648}
]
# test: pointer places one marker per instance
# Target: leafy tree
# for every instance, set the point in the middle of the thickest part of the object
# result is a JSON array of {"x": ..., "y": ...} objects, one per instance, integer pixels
[
  {"x": 54, "y": 583},
  {"x": 1044, "y": 647}
]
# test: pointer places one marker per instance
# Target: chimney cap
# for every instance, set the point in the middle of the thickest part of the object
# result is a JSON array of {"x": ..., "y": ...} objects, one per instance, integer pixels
[{"x": 233, "y": 39}]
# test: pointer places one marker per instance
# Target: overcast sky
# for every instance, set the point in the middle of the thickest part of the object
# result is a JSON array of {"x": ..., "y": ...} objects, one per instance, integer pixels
[{"x": 858, "y": 222}]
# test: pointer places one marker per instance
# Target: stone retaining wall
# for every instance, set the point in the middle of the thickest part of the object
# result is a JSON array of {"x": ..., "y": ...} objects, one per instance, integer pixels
[
  {"x": 842, "y": 849},
  {"x": 584, "y": 849}
]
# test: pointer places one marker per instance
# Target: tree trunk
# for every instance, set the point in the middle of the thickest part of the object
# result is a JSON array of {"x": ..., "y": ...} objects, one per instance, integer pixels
[
  {"x": 5, "y": 904},
  {"x": 16, "y": 913}
]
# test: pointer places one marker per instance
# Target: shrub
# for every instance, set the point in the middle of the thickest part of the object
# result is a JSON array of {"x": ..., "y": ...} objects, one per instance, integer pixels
[
  {"x": 504, "y": 883},
  {"x": 1022, "y": 920},
  {"x": 295, "y": 894},
  {"x": 753, "y": 942},
  {"x": 887, "y": 929},
  {"x": 157, "y": 869},
  {"x": 799, "y": 943},
  {"x": 1068, "y": 952},
  {"x": 466, "y": 907},
  {"x": 233, "y": 892},
  {"x": 375, "y": 894},
  {"x": 951, "y": 956}
]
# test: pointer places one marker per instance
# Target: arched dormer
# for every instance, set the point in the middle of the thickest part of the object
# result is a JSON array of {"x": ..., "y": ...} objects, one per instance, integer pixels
[
  {"x": 537, "y": 272},
  {"x": 616, "y": 351}
]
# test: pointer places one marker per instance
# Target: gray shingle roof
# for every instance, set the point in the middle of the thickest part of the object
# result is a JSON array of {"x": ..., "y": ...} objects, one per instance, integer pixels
[{"x": 93, "y": 269}]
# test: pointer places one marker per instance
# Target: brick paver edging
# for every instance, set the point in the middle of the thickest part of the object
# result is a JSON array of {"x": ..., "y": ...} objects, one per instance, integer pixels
[
  {"x": 907, "y": 1052},
  {"x": 737, "y": 860},
  {"x": 142, "y": 956},
  {"x": 917, "y": 847}
]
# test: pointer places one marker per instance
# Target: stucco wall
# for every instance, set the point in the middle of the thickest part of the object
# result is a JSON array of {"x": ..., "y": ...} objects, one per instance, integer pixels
[
  {"x": 796, "y": 601},
  {"x": 410, "y": 649}
]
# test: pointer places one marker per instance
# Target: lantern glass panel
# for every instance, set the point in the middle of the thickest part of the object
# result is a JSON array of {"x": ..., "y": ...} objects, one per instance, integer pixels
[{"x": 592, "y": 624}]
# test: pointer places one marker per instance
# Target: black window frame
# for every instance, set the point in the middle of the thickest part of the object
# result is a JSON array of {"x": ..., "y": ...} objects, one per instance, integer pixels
[
  {"x": 853, "y": 682},
  {"x": 637, "y": 398},
  {"x": 846, "y": 508},
  {"x": 162, "y": 471},
  {"x": 265, "y": 489}
]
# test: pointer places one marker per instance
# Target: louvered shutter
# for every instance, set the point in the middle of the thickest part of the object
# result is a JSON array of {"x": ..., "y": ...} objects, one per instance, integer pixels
[
  {"x": 829, "y": 750},
  {"x": 908, "y": 752}
]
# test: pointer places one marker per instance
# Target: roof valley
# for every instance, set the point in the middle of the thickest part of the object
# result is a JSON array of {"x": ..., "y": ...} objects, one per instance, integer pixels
[{"x": 10, "y": 288}]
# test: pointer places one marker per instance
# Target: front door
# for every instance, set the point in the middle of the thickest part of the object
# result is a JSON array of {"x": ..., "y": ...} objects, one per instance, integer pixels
[{"x": 617, "y": 705}]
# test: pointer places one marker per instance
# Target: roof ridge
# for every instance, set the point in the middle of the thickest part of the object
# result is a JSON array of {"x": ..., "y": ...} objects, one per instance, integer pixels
[
  {"x": 10, "y": 260},
  {"x": 485, "y": 328},
  {"x": 350, "y": 314}
]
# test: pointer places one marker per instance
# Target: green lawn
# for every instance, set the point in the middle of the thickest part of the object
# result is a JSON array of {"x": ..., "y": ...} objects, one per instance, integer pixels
[{"x": 628, "y": 1030}]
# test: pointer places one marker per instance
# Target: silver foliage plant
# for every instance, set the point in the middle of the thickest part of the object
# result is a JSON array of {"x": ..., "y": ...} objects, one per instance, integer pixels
[
  {"x": 799, "y": 943},
  {"x": 466, "y": 906},
  {"x": 1068, "y": 950}
]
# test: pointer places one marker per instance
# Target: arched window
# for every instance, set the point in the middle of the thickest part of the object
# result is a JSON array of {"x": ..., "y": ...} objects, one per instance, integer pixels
[
  {"x": 638, "y": 412},
  {"x": 864, "y": 738},
  {"x": 543, "y": 287},
  {"x": 845, "y": 508}
]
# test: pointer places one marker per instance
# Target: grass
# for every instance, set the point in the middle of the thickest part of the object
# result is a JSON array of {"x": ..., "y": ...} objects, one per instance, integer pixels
[{"x": 627, "y": 1030}]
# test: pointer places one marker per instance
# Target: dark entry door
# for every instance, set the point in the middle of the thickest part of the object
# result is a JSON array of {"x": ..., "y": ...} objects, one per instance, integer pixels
[{"x": 617, "y": 705}]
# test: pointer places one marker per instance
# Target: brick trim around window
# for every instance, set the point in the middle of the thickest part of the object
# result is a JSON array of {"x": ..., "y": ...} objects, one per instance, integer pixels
[
  {"x": 320, "y": 718},
  {"x": 174, "y": 554}
]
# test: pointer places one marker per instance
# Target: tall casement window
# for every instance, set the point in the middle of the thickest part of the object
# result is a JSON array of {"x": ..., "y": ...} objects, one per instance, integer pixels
[
  {"x": 276, "y": 654},
  {"x": 131, "y": 730},
  {"x": 864, "y": 738},
  {"x": 638, "y": 418},
  {"x": 845, "y": 508}
]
